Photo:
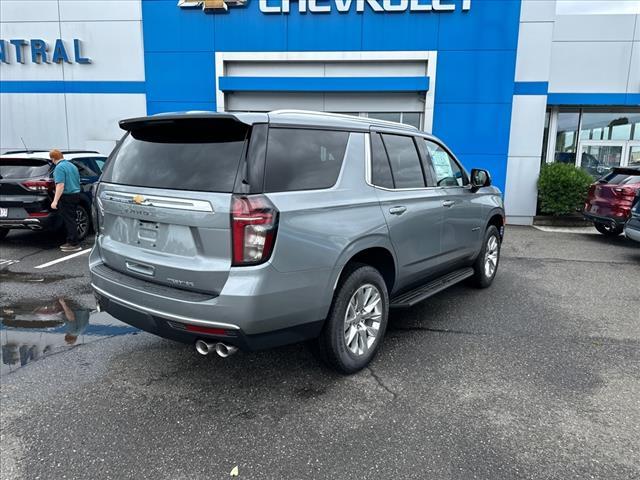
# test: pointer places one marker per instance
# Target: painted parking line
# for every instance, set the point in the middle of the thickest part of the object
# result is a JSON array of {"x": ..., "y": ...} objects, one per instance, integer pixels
[
  {"x": 582, "y": 230},
  {"x": 5, "y": 262},
  {"x": 63, "y": 259}
]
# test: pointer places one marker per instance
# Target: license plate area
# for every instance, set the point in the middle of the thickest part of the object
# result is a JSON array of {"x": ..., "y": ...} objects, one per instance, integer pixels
[
  {"x": 147, "y": 232},
  {"x": 4, "y": 212}
]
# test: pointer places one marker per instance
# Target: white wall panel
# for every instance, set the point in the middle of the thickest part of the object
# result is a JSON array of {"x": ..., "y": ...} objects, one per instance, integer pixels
[
  {"x": 94, "y": 118},
  {"x": 637, "y": 35},
  {"x": 534, "y": 52},
  {"x": 328, "y": 69},
  {"x": 538, "y": 10},
  {"x": 274, "y": 69},
  {"x": 101, "y": 10},
  {"x": 527, "y": 125},
  {"x": 594, "y": 28},
  {"x": 521, "y": 191},
  {"x": 634, "y": 70},
  {"x": 38, "y": 118},
  {"x": 47, "y": 31},
  {"x": 590, "y": 67},
  {"x": 28, "y": 10},
  {"x": 115, "y": 49}
]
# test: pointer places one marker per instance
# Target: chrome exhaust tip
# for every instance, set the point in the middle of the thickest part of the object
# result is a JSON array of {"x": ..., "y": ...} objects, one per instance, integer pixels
[
  {"x": 204, "y": 348},
  {"x": 223, "y": 350}
]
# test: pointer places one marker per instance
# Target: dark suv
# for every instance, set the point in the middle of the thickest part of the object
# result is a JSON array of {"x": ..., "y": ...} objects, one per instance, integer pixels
[
  {"x": 610, "y": 199},
  {"x": 254, "y": 230},
  {"x": 27, "y": 188}
]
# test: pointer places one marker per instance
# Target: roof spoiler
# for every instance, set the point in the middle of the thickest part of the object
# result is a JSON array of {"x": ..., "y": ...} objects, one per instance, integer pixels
[{"x": 130, "y": 124}]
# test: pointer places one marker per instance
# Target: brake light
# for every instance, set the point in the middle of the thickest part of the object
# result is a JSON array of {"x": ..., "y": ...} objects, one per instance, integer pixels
[
  {"x": 39, "y": 185},
  {"x": 254, "y": 222},
  {"x": 627, "y": 192}
]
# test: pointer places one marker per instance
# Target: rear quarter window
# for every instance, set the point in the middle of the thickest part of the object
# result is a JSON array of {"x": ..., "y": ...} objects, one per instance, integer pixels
[
  {"x": 18, "y": 168},
  {"x": 621, "y": 177},
  {"x": 303, "y": 159}
]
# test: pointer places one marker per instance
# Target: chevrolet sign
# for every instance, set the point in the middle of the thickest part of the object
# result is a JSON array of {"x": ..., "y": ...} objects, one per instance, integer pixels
[{"x": 342, "y": 6}]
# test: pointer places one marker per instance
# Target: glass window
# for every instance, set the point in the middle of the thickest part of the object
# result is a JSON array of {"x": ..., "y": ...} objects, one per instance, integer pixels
[
  {"x": 567, "y": 137},
  {"x": 404, "y": 160},
  {"x": 621, "y": 176},
  {"x": 100, "y": 163},
  {"x": 608, "y": 125},
  {"x": 448, "y": 172},
  {"x": 85, "y": 167},
  {"x": 545, "y": 135},
  {"x": 299, "y": 159},
  {"x": 380, "y": 169},
  {"x": 196, "y": 154},
  {"x": 386, "y": 116},
  {"x": 17, "y": 168},
  {"x": 412, "y": 119}
]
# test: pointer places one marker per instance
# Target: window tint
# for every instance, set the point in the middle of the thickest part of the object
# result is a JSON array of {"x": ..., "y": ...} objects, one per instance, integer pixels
[
  {"x": 299, "y": 159},
  {"x": 201, "y": 155},
  {"x": 380, "y": 169},
  {"x": 15, "y": 168},
  {"x": 100, "y": 163},
  {"x": 447, "y": 171},
  {"x": 621, "y": 177},
  {"x": 405, "y": 163}
]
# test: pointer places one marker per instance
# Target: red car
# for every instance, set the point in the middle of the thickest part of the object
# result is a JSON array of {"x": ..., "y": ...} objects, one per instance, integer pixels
[{"x": 610, "y": 199}]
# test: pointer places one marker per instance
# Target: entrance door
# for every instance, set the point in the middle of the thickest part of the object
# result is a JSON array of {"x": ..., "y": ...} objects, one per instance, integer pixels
[{"x": 633, "y": 154}]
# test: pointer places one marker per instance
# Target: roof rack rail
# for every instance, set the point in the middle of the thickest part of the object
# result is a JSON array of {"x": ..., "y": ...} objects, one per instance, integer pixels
[
  {"x": 36, "y": 150},
  {"x": 372, "y": 121}
]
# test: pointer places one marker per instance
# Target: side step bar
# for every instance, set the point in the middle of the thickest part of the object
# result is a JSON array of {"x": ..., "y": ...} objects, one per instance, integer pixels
[{"x": 412, "y": 297}]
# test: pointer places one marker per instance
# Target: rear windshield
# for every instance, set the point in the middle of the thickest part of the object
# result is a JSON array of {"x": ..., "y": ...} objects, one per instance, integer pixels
[
  {"x": 199, "y": 155},
  {"x": 17, "y": 168},
  {"x": 621, "y": 177}
]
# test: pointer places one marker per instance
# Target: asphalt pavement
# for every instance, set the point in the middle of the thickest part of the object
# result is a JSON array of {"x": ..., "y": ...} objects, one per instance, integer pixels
[{"x": 535, "y": 377}]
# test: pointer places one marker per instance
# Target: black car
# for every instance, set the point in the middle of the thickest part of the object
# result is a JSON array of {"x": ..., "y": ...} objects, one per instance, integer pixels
[{"x": 27, "y": 189}]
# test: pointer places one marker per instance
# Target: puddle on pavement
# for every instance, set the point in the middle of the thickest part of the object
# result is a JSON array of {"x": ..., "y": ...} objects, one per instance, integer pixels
[
  {"x": 33, "y": 329},
  {"x": 26, "y": 277}
]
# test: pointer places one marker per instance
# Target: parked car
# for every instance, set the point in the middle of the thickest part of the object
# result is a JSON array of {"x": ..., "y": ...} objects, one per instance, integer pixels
[
  {"x": 632, "y": 227},
  {"x": 609, "y": 201},
  {"x": 27, "y": 189},
  {"x": 253, "y": 230}
]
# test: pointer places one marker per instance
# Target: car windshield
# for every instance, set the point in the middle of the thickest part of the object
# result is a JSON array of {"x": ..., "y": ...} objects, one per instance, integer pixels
[{"x": 18, "y": 168}]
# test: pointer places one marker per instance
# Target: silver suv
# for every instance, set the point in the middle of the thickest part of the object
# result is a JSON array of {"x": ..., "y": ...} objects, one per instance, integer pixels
[{"x": 252, "y": 230}]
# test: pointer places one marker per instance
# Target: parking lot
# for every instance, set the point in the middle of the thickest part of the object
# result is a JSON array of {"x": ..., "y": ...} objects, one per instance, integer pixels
[{"x": 536, "y": 377}]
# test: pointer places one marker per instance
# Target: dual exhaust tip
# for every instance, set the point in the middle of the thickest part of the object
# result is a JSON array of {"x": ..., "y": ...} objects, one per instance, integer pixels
[{"x": 222, "y": 349}]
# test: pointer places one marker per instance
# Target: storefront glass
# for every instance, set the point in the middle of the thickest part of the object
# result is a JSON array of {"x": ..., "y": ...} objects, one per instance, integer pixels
[
  {"x": 609, "y": 125},
  {"x": 567, "y": 136}
]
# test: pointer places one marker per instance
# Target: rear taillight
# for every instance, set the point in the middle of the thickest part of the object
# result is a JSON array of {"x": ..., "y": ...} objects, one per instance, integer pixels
[
  {"x": 43, "y": 186},
  {"x": 254, "y": 222},
  {"x": 628, "y": 192},
  {"x": 97, "y": 209}
]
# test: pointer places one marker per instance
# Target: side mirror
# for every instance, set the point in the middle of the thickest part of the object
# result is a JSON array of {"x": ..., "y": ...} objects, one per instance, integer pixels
[{"x": 480, "y": 178}]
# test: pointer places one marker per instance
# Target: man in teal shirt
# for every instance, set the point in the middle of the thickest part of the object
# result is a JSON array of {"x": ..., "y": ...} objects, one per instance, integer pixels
[{"x": 66, "y": 198}]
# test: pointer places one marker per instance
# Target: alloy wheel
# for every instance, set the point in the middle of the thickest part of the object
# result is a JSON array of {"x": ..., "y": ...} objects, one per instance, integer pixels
[
  {"x": 82, "y": 221},
  {"x": 362, "y": 319},
  {"x": 491, "y": 256}
]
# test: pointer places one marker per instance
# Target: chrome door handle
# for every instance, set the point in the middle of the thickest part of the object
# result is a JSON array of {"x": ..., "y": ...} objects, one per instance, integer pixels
[
  {"x": 397, "y": 210},
  {"x": 448, "y": 203}
]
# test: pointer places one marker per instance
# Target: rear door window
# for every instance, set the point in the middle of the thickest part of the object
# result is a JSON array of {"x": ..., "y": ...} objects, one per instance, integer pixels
[
  {"x": 302, "y": 159},
  {"x": 621, "y": 177},
  {"x": 198, "y": 155},
  {"x": 18, "y": 168},
  {"x": 404, "y": 160}
]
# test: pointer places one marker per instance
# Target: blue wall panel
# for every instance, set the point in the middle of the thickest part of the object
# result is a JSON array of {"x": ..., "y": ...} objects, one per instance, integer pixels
[
  {"x": 162, "y": 107},
  {"x": 180, "y": 77},
  {"x": 247, "y": 29},
  {"x": 329, "y": 31},
  {"x": 164, "y": 31},
  {"x": 400, "y": 31}
]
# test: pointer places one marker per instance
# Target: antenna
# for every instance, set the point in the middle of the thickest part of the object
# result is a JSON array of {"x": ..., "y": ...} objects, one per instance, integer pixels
[{"x": 25, "y": 145}]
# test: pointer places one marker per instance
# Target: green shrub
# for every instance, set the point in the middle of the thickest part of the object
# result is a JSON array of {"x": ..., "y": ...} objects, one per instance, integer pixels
[{"x": 562, "y": 188}]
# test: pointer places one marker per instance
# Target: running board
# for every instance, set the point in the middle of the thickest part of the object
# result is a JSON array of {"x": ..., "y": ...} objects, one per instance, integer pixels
[{"x": 412, "y": 297}]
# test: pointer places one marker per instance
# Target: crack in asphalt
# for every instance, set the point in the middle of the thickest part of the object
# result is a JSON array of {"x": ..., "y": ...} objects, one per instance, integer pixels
[{"x": 379, "y": 381}]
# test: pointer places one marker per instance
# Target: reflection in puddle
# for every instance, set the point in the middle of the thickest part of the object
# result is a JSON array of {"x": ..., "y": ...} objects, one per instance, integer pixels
[{"x": 30, "y": 330}]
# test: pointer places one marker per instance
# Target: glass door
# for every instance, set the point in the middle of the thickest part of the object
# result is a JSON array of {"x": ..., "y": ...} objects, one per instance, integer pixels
[
  {"x": 598, "y": 157},
  {"x": 633, "y": 154}
]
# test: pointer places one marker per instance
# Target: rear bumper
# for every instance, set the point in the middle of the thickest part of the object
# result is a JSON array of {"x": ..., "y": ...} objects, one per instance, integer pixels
[
  {"x": 32, "y": 223},
  {"x": 619, "y": 221},
  {"x": 258, "y": 307}
]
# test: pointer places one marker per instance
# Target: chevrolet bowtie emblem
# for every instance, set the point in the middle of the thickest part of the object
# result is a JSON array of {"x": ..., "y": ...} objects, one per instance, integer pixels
[
  {"x": 138, "y": 199},
  {"x": 208, "y": 5}
]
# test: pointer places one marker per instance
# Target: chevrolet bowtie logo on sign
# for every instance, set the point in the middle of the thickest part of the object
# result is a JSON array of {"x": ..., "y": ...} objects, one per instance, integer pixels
[
  {"x": 342, "y": 6},
  {"x": 138, "y": 199},
  {"x": 210, "y": 5}
]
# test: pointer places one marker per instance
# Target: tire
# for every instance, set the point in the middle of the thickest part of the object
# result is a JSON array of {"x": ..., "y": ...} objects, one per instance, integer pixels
[
  {"x": 607, "y": 230},
  {"x": 358, "y": 282},
  {"x": 83, "y": 221},
  {"x": 484, "y": 274},
  {"x": 3, "y": 233}
]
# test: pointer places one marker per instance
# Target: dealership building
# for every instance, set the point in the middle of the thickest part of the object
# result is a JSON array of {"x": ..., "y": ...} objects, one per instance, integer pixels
[{"x": 507, "y": 84}]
